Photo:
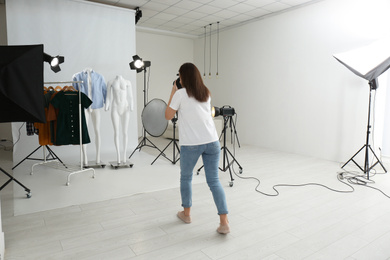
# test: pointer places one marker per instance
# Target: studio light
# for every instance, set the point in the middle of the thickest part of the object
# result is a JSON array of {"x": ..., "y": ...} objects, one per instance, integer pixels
[
  {"x": 368, "y": 62},
  {"x": 138, "y": 64},
  {"x": 138, "y": 15},
  {"x": 227, "y": 112},
  {"x": 148, "y": 112},
  {"x": 223, "y": 111},
  {"x": 54, "y": 61}
]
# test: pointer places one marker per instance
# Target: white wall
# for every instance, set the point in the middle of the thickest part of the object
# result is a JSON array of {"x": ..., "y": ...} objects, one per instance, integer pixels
[
  {"x": 5, "y": 128},
  {"x": 166, "y": 53},
  {"x": 290, "y": 94},
  {"x": 88, "y": 35}
]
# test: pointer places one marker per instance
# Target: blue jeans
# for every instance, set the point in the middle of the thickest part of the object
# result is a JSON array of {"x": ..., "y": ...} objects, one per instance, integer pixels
[{"x": 189, "y": 155}]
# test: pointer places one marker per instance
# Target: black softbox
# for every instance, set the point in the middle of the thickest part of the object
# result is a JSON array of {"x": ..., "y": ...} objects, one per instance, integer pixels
[{"x": 21, "y": 84}]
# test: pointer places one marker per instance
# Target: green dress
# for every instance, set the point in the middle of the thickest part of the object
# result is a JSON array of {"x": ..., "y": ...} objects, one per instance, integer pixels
[{"x": 68, "y": 130}]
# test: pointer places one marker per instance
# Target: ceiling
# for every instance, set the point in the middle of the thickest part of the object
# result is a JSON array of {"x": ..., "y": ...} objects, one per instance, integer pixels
[{"x": 194, "y": 18}]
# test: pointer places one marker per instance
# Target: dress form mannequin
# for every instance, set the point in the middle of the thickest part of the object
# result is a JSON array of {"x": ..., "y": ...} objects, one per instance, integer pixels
[
  {"x": 94, "y": 114},
  {"x": 120, "y": 99},
  {"x": 95, "y": 88}
]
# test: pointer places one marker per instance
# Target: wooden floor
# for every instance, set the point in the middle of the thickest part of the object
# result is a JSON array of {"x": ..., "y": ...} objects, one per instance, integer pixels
[{"x": 309, "y": 222}]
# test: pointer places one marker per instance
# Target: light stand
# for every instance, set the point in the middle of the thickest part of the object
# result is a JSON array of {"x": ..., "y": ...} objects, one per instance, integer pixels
[
  {"x": 368, "y": 62},
  {"x": 367, "y": 147},
  {"x": 226, "y": 152},
  {"x": 175, "y": 145},
  {"x": 139, "y": 65},
  {"x": 226, "y": 162}
]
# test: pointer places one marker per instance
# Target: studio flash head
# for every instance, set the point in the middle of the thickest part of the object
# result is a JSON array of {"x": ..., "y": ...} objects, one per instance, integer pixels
[{"x": 223, "y": 111}]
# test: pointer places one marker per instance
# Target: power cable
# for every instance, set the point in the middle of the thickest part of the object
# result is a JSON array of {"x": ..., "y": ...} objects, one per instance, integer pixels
[{"x": 348, "y": 178}]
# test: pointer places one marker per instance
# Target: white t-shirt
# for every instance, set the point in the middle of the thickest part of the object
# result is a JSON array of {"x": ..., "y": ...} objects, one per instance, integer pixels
[{"x": 196, "y": 125}]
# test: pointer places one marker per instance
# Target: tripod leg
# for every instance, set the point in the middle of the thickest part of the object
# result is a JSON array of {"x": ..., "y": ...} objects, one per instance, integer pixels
[
  {"x": 13, "y": 179},
  {"x": 228, "y": 167},
  {"x": 377, "y": 160},
  {"x": 55, "y": 156},
  {"x": 178, "y": 150},
  {"x": 162, "y": 153},
  {"x": 235, "y": 133},
  {"x": 234, "y": 160},
  {"x": 140, "y": 144},
  {"x": 25, "y": 158},
  {"x": 352, "y": 159},
  {"x": 198, "y": 171}
]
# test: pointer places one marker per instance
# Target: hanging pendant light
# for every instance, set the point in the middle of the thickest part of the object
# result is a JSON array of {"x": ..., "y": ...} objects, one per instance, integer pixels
[
  {"x": 204, "y": 54},
  {"x": 210, "y": 53},
  {"x": 217, "y": 74}
]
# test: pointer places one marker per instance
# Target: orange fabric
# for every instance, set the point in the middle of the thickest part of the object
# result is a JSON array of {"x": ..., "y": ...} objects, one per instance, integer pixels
[{"x": 44, "y": 131}]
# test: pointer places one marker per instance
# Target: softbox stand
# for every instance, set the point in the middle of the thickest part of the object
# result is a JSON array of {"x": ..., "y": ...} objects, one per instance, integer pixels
[
  {"x": 21, "y": 71},
  {"x": 368, "y": 62},
  {"x": 367, "y": 147}
]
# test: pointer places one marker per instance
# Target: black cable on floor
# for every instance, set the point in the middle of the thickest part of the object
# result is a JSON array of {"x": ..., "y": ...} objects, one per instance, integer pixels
[
  {"x": 347, "y": 178},
  {"x": 295, "y": 185}
]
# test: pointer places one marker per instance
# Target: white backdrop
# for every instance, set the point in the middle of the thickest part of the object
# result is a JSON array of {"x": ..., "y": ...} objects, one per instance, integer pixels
[{"x": 89, "y": 35}]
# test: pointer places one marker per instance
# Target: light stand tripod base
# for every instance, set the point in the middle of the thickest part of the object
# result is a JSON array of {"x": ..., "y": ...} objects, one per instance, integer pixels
[
  {"x": 143, "y": 143},
  {"x": 367, "y": 168},
  {"x": 175, "y": 146},
  {"x": 11, "y": 178},
  {"x": 226, "y": 167},
  {"x": 226, "y": 153}
]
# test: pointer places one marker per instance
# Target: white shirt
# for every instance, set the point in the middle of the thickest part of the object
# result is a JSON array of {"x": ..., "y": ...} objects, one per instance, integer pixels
[{"x": 195, "y": 121}]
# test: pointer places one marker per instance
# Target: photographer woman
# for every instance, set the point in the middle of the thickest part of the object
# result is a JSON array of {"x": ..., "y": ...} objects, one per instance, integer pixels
[{"x": 197, "y": 137}]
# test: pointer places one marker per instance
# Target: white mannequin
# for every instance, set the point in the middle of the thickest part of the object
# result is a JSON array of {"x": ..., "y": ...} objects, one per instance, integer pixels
[
  {"x": 94, "y": 114},
  {"x": 119, "y": 91}
]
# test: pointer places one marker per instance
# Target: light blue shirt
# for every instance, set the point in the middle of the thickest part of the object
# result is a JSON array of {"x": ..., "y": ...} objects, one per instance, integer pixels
[{"x": 98, "y": 90}]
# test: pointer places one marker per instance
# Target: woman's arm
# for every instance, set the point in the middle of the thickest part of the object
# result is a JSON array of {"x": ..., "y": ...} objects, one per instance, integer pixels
[{"x": 169, "y": 112}]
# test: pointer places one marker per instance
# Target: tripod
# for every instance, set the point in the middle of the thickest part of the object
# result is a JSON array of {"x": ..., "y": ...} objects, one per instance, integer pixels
[
  {"x": 144, "y": 139},
  {"x": 175, "y": 145},
  {"x": 46, "y": 158},
  {"x": 226, "y": 163},
  {"x": 367, "y": 147}
]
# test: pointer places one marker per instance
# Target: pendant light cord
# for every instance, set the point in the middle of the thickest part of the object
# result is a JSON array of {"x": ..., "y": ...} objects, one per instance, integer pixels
[
  {"x": 204, "y": 54},
  {"x": 217, "y": 47},
  {"x": 210, "y": 53}
]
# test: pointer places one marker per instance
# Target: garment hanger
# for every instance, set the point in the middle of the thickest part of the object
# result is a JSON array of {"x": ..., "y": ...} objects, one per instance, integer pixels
[{"x": 70, "y": 90}]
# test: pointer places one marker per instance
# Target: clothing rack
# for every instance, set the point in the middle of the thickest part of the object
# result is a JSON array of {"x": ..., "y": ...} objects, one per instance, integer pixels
[{"x": 71, "y": 170}]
